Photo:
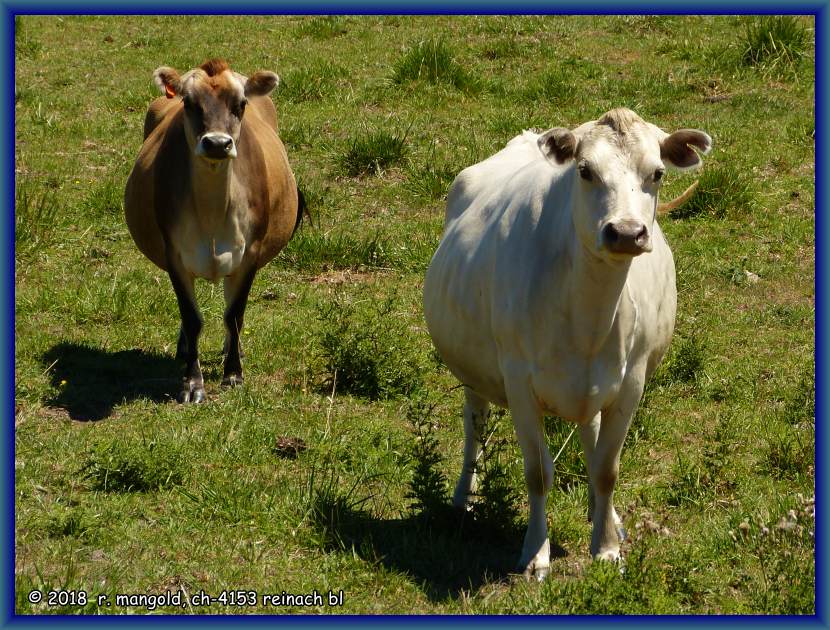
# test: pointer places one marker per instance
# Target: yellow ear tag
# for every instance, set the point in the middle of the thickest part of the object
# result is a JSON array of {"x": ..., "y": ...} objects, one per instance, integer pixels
[{"x": 168, "y": 91}]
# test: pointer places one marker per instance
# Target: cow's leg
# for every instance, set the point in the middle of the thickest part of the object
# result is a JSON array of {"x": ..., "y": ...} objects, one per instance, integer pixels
[
  {"x": 588, "y": 434},
  {"x": 605, "y": 465},
  {"x": 527, "y": 419},
  {"x": 476, "y": 412},
  {"x": 193, "y": 386},
  {"x": 237, "y": 288},
  {"x": 181, "y": 345}
]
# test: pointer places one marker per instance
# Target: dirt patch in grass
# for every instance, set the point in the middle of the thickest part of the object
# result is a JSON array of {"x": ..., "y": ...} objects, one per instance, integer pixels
[{"x": 343, "y": 276}]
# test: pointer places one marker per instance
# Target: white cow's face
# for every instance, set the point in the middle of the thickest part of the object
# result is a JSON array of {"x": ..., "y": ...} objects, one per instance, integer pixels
[
  {"x": 214, "y": 100},
  {"x": 618, "y": 164}
]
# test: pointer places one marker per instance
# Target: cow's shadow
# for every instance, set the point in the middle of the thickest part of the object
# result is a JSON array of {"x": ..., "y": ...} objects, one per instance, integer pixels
[
  {"x": 90, "y": 381},
  {"x": 445, "y": 554}
]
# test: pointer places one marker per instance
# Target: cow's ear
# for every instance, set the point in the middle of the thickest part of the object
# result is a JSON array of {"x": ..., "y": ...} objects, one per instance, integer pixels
[
  {"x": 261, "y": 83},
  {"x": 168, "y": 80},
  {"x": 676, "y": 149},
  {"x": 558, "y": 145}
]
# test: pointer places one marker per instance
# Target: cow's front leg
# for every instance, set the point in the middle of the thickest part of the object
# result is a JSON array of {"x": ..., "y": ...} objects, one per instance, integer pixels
[
  {"x": 608, "y": 532},
  {"x": 237, "y": 288},
  {"x": 538, "y": 466},
  {"x": 193, "y": 386},
  {"x": 181, "y": 345},
  {"x": 476, "y": 412}
]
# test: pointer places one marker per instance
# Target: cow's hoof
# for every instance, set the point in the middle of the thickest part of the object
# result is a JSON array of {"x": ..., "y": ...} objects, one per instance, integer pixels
[
  {"x": 461, "y": 501},
  {"x": 191, "y": 393},
  {"x": 232, "y": 380},
  {"x": 609, "y": 555},
  {"x": 538, "y": 574},
  {"x": 533, "y": 571}
]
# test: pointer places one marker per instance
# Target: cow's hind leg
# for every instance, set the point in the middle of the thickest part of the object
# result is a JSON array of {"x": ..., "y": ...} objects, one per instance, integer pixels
[
  {"x": 607, "y": 531},
  {"x": 237, "y": 288},
  {"x": 588, "y": 434},
  {"x": 476, "y": 412},
  {"x": 193, "y": 386},
  {"x": 527, "y": 419}
]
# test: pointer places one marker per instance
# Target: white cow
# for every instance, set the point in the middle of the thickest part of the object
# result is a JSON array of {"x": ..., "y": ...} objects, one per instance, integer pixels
[{"x": 538, "y": 299}]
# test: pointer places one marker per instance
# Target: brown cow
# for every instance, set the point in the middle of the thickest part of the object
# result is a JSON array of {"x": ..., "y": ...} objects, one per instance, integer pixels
[{"x": 211, "y": 195}]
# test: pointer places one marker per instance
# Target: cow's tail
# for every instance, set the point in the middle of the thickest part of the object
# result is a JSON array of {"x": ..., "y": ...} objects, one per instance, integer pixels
[
  {"x": 665, "y": 208},
  {"x": 302, "y": 209}
]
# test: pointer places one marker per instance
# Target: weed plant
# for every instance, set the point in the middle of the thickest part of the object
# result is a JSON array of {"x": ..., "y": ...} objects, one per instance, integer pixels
[
  {"x": 365, "y": 351},
  {"x": 428, "y": 487},
  {"x": 495, "y": 508}
]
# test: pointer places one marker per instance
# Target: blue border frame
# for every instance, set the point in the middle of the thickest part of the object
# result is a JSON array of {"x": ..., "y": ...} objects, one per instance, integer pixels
[
  {"x": 412, "y": 7},
  {"x": 372, "y": 7},
  {"x": 7, "y": 339},
  {"x": 820, "y": 293}
]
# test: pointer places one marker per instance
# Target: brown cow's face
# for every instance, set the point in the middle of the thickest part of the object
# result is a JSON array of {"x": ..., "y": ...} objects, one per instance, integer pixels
[
  {"x": 213, "y": 111},
  {"x": 214, "y": 100}
]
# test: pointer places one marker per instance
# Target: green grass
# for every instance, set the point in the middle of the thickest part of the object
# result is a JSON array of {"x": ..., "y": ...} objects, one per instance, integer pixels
[
  {"x": 369, "y": 153},
  {"x": 331, "y": 467},
  {"x": 35, "y": 217},
  {"x": 322, "y": 27},
  {"x": 433, "y": 61},
  {"x": 315, "y": 251},
  {"x": 775, "y": 40},
  {"x": 722, "y": 189},
  {"x": 685, "y": 362},
  {"x": 430, "y": 183},
  {"x": 313, "y": 83},
  {"x": 140, "y": 467}
]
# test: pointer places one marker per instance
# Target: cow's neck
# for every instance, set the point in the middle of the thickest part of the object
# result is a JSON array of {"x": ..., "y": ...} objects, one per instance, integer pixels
[
  {"x": 212, "y": 191},
  {"x": 597, "y": 309}
]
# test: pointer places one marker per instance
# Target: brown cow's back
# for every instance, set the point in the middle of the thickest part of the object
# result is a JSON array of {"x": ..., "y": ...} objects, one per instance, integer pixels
[
  {"x": 138, "y": 197},
  {"x": 282, "y": 188}
]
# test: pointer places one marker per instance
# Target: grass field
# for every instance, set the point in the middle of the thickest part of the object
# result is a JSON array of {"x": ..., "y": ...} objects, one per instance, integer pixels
[{"x": 329, "y": 469}]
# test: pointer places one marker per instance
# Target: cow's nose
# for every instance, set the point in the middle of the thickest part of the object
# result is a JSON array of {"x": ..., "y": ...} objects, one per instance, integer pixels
[
  {"x": 626, "y": 237},
  {"x": 217, "y": 146}
]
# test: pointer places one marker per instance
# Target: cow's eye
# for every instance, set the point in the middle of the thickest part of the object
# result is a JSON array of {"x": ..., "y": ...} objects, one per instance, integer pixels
[
  {"x": 191, "y": 106},
  {"x": 658, "y": 174},
  {"x": 585, "y": 172},
  {"x": 240, "y": 109}
]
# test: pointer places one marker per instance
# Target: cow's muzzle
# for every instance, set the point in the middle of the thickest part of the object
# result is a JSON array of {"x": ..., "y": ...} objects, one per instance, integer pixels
[
  {"x": 626, "y": 237},
  {"x": 216, "y": 146}
]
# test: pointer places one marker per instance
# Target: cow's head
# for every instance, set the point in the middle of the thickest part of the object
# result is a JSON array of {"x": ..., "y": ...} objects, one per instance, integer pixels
[
  {"x": 618, "y": 164},
  {"x": 214, "y": 100}
]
